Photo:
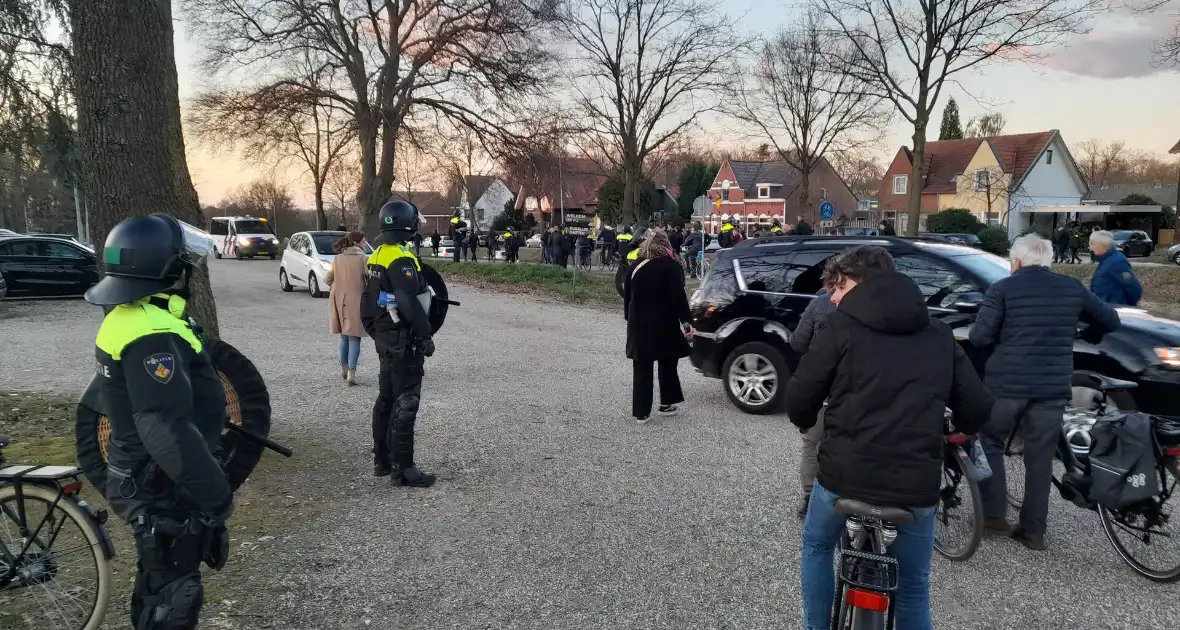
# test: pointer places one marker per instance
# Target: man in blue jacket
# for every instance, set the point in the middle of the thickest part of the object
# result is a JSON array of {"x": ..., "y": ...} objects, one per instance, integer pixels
[{"x": 1114, "y": 282}]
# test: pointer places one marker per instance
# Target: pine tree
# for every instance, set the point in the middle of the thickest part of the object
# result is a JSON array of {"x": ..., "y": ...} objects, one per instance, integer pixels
[{"x": 952, "y": 129}]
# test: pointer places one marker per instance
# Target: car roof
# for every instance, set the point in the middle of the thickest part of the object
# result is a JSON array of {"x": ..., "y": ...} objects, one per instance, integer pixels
[{"x": 774, "y": 244}]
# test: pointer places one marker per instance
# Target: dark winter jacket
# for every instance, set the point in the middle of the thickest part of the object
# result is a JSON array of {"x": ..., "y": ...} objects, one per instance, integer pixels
[
  {"x": 888, "y": 230},
  {"x": 811, "y": 322},
  {"x": 803, "y": 228},
  {"x": 654, "y": 305},
  {"x": 695, "y": 242},
  {"x": 1031, "y": 319},
  {"x": 883, "y": 428},
  {"x": 1114, "y": 281}
]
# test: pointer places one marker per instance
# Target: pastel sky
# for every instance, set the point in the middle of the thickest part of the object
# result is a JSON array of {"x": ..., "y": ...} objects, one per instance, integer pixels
[{"x": 1100, "y": 85}]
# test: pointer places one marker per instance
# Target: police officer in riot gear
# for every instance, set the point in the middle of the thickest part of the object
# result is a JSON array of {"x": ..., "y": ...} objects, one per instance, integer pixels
[
  {"x": 395, "y": 309},
  {"x": 167, "y": 408},
  {"x": 458, "y": 233}
]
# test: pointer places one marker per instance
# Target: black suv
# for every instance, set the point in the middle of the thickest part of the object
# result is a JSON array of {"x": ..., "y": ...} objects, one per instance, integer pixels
[{"x": 751, "y": 300}]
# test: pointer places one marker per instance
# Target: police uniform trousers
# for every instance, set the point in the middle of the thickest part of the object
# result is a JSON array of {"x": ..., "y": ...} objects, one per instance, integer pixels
[
  {"x": 168, "y": 594},
  {"x": 399, "y": 391}
]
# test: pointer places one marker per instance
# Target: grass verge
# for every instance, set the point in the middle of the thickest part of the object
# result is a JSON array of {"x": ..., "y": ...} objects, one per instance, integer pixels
[
  {"x": 41, "y": 427},
  {"x": 547, "y": 280}
]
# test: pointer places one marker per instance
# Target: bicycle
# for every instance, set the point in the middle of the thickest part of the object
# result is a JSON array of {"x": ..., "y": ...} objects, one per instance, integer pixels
[
  {"x": 960, "y": 491},
  {"x": 867, "y": 574},
  {"x": 54, "y": 550},
  {"x": 702, "y": 266},
  {"x": 1143, "y": 521}
]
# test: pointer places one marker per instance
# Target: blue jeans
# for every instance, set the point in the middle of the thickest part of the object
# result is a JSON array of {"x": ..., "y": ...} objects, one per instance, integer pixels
[
  {"x": 350, "y": 351},
  {"x": 914, "y": 549}
]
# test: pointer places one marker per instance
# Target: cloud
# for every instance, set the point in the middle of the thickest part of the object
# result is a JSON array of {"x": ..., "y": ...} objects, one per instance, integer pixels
[{"x": 1117, "y": 54}]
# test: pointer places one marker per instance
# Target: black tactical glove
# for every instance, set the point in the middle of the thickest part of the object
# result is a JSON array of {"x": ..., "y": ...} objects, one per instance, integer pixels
[
  {"x": 425, "y": 346},
  {"x": 216, "y": 546},
  {"x": 1090, "y": 335}
]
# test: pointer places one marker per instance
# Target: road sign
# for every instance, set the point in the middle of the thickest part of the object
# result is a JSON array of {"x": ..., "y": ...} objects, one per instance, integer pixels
[
  {"x": 827, "y": 211},
  {"x": 701, "y": 205}
]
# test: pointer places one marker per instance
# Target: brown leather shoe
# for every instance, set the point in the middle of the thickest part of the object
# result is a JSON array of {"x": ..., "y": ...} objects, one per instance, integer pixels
[
  {"x": 1036, "y": 542},
  {"x": 997, "y": 525}
]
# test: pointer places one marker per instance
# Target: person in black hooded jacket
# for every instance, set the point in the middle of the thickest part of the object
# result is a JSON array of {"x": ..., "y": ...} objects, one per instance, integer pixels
[{"x": 884, "y": 424}]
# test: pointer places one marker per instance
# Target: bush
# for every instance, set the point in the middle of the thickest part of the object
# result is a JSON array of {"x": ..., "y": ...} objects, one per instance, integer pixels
[
  {"x": 954, "y": 221},
  {"x": 994, "y": 240}
]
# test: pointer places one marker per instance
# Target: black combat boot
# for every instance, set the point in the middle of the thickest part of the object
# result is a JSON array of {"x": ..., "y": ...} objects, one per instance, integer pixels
[
  {"x": 381, "y": 470},
  {"x": 413, "y": 478}
]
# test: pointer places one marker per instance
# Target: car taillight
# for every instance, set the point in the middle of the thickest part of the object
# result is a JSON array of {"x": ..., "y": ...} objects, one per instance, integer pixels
[{"x": 1172, "y": 451}]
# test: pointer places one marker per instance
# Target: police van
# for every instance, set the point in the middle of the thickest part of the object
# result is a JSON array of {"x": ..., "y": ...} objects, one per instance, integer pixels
[{"x": 243, "y": 237}]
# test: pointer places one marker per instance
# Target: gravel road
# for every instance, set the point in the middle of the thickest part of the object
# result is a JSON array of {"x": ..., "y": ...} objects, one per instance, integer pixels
[{"x": 554, "y": 510}]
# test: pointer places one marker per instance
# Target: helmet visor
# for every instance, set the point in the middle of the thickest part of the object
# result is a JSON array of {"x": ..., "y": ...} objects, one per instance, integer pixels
[{"x": 197, "y": 242}]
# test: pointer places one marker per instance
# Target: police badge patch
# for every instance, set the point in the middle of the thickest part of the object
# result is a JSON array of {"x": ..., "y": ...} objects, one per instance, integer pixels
[{"x": 160, "y": 366}]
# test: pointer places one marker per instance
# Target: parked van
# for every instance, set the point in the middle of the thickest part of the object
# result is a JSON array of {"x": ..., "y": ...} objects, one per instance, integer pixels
[{"x": 242, "y": 237}]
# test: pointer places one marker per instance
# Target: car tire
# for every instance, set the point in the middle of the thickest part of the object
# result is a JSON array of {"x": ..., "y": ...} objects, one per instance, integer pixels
[
  {"x": 272, "y": 256},
  {"x": 1176, "y": 258},
  {"x": 313, "y": 286},
  {"x": 284, "y": 281},
  {"x": 760, "y": 360},
  {"x": 237, "y": 253},
  {"x": 216, "y": 253}
]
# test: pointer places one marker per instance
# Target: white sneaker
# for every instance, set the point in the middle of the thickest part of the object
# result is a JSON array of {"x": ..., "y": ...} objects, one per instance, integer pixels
[
  {"x": 642, "y": 421},
  {"x": 668, "y": 410}
]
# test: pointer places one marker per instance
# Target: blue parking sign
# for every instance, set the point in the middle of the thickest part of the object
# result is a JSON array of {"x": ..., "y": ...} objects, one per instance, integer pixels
[{"x": 827, "y": 210}]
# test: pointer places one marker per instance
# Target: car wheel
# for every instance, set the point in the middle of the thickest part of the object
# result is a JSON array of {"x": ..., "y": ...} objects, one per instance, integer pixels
[
  {"x": 1176, "y": 258},
  {"x": 216, "y": 253},
  {"x": 284, "y": 281},
  {"x": 755, "y": 375},
  {"x": 237, "y": 253},
  {"x": 272, "y": 256},
  {"x": 313, "y": 286}
]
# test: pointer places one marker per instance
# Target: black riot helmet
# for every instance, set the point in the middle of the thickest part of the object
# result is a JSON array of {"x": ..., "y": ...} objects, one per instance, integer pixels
[
  {"x": 147, "y": 255},
  {"x": 399, "y": 222}
]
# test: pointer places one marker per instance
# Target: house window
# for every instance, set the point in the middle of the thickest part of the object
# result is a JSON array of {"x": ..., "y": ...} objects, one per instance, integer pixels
[
  {"x": 763, "y": 192},
  {"x": 901, "y": 184},
  {"x": 1049, "y": 156},
  {"x": 725, "y": 190},
  {"x": 982, "y": 180}
]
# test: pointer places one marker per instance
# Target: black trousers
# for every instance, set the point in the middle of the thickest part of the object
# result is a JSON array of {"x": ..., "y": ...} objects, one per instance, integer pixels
[
  {"x": 1040, "y": 428},
  {"x": 641, "y": 388},
  {"x": 1073, "y": 256},
  {"x": 399, "y": 389},
  {"x": 168, "y": 594}
]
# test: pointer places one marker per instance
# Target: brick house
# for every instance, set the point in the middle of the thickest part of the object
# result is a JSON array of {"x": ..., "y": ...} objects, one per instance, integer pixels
[{"x": 759, "y": 192}]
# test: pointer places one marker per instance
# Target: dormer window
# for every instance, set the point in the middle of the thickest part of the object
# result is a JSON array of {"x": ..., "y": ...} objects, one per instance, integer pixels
[
  {"x": 763, "y": 192},
  {"x": 725, "y": 190}
]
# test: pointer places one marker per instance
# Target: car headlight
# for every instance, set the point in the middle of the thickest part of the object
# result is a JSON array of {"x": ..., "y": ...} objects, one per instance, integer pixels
[
  {"x": 274, "y": 241},
  {"x": 243, "y": 241},
  {"x": 1170, "y": 357},
  {"x": 327, "y": 265}
]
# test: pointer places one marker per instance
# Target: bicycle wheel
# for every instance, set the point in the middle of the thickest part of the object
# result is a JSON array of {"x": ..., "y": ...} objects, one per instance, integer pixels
[
  {"x": 958, "y": 520},
  {"x": 1014, "y": 471},
  {"x": 66, "y": 578},
  {"x": 1146, "y": 538}
]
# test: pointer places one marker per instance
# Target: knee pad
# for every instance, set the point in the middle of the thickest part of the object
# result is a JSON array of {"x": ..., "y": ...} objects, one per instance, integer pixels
[
  {"x": 407, "y": 406},
  {"x": 176, "y": 607}
]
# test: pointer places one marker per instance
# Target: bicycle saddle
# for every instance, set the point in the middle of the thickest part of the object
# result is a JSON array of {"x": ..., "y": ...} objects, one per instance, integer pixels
[
  {"x": 1107, "y": 384},
  {"x": 895, "y": 515}
]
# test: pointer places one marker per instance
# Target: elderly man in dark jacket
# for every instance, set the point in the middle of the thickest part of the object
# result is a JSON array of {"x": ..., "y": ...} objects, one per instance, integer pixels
[
  {"x": 1031, "y": 320},
  {"x": 1114, "y": 281}
]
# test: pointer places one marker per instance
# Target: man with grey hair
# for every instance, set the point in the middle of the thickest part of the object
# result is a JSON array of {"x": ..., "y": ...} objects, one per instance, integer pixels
[
  {"x": 1028, "y": 321},
  {"x": 1113, "y": 281}
]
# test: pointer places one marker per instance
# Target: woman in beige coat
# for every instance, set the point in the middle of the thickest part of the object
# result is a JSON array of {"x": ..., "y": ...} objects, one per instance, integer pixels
[{"x": 347, "y": 282}]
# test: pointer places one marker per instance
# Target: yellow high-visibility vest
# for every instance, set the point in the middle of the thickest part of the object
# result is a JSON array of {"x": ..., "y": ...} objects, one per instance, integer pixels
[
  {"x": 128, "y": 322},
  {"x": 624, "y": 237},
  {"x": 384, "y": 256},
  {"x": 633, "y": 254},
  {"x": 728, "y": 227}
]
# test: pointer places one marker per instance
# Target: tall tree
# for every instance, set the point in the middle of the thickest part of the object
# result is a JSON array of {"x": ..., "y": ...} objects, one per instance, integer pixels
[
  {"x": 129, "y": 123},
  {"x": 861, "y": 170},
  {"x": 695, "y": 179},
  {"x": 468, "y": 61},
  {"x": 805, "y": 104},
  {"x": 280, "y": 124},
  {"x": 642, "y": 72},
  {"x": 952, "y": 128},
  {"x": 986, "y": 126},
  {"x": 344, "y": 177},
  {"x": 908, "y": 50}
]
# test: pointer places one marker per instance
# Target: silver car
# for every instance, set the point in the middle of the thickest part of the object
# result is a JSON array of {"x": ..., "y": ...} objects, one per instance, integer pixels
[
  {"x": 1174, "y": 253},
  {"x": 307, "y": 260}
]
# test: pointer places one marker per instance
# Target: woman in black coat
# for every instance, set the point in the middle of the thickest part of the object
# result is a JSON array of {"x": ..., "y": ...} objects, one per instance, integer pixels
[{"x": 655, "y": 307}]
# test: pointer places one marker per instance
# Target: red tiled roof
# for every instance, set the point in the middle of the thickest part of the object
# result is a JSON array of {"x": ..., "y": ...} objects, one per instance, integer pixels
[{"x": 947, "y": 159}]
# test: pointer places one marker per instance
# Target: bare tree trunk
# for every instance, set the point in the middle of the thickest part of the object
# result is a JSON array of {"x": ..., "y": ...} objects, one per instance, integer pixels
[
  {"x": 129, "y": 124},
  {"x": 914, "y": 208},
  {"x": 20, "y": 201},
  {"x": 805, "y": 195},
  {"x": 321, "y": 218}
]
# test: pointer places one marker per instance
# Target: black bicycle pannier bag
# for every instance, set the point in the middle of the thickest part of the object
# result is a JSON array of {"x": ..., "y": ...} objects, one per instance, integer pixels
[{"x": 1122, "y": 461}]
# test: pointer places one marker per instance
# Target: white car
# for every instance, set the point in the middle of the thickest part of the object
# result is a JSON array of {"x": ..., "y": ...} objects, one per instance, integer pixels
[
  {"x": 446, "y": 247},
  {"x": 533, "y": 241},
  {"x": 307, "y": 260}
]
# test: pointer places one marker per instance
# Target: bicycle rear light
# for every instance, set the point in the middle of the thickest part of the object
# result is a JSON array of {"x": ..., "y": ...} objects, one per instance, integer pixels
[
  {"x": 1172, "y": 451},
  {"x": 867, "y": 600}
]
